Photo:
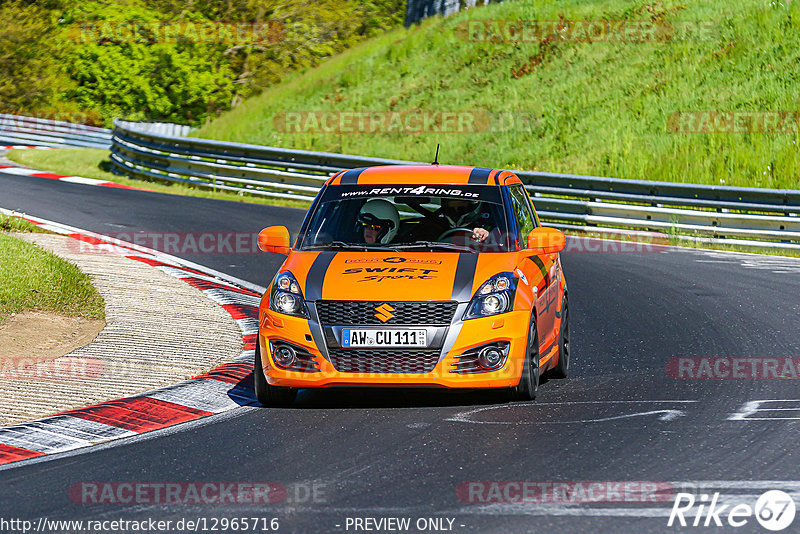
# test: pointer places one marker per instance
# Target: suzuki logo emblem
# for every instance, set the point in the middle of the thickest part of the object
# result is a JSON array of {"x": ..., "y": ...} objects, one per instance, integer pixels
[{"x": 384, "y": 312}]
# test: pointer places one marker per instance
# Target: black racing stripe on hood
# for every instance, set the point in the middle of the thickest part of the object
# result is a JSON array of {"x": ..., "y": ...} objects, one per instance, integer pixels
[
  {"x": 479, "y": 176},
  {"x": 465, "y": 273},
  {"x": 351, "y": 177},
  {"x": 316, "y": 275}
]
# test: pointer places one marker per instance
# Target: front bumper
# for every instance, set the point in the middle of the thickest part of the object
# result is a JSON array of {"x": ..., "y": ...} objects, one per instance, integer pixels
[{"x": 511, "y": 327}]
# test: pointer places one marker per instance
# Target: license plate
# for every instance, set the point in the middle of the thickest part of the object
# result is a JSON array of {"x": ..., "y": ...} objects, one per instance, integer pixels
[{"x": 363, "y": 337}]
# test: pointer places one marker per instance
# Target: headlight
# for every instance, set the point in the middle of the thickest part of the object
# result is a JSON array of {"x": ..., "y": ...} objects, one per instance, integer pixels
[
  {"x": 286, "y": 296},
  {"x": 495, "y": 296}
]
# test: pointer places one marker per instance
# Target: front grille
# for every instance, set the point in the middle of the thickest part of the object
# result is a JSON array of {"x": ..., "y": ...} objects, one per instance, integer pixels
[
  {"x": 384, "y": 361},
  {"x": 350, "y": 313}
]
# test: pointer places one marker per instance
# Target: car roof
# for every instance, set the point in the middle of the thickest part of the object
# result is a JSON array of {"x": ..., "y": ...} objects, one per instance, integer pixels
[{"x": 424, "y": 175}]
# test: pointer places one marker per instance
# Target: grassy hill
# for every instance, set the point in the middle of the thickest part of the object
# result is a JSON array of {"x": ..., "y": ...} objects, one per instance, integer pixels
[{"x": 566, "y": 104}]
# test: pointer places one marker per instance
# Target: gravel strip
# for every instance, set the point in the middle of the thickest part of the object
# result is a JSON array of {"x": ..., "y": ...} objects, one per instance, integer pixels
[{"x": 159, "y": 330}]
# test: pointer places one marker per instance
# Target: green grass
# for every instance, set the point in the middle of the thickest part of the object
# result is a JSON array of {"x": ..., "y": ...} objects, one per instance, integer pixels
[
  {"x": 596, "y": 108},
  {"x": 34, "y": 279},
  {"x": 94, "y": 163},
  {"x": 15, "y": 224}
]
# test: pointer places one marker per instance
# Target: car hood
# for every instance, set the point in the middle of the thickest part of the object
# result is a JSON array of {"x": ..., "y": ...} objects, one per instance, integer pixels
[{"x": 392, "y": 276}]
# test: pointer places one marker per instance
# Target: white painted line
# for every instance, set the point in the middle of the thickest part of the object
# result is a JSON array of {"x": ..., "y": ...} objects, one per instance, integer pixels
[
  {"x": 601, "y": 402},
  {"x": 752, "y": 407},
  {"x": 224, "y": 296},
  {"x": 739, "y": 484},
  {"x": 667, "y": 414},
  {"x": 79, "y": 428},
  {"x": 772, "y": 419},
  {"x": 81, "y": 180},
  {"x": 247, "y": 356},
  {"x": 50, "y": 440},
  {"x": 34, "y": 439},
  {"x": 742, "y": 493},
  {"x": 249, "y": 325},
  {"x": 204, "y": 394},
  {"x": 181, "y": 273},
  {"x": 18, "y": 170}
]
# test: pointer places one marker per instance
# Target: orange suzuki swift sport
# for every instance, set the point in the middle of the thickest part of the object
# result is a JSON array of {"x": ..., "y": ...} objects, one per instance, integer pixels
[{"x": 414, "y": 275}]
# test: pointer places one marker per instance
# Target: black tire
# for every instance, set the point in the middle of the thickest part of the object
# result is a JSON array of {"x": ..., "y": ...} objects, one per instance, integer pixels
[
  {"x": 561, "y": 370},
  {"x": 269, "y": 395},
  {"x": 529, "y": 380}
]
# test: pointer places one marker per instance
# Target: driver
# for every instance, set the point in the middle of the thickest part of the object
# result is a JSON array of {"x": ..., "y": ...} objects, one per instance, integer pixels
[
  {"x": 461, "y": 213},
  {"x": 379, "y": 219}
]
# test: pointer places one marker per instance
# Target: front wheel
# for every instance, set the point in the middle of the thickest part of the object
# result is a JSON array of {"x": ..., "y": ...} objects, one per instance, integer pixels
[
  {"x": 529, "y": 381},
  {"x": 269, "y": 395}
]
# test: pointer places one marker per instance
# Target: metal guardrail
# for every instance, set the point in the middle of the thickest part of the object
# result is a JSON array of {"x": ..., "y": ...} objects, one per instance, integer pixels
[
  {"x": 744, "y": 216},
  {"x": 30, "y": 131},
  {"x": 159, "y": 128}
]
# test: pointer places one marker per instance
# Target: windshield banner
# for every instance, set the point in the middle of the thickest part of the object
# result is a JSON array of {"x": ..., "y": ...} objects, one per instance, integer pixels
[{"x": 467, "y": 192}]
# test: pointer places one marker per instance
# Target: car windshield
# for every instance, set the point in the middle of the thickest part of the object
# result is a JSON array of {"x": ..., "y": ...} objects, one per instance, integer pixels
[{"x": 413, "y": 218}]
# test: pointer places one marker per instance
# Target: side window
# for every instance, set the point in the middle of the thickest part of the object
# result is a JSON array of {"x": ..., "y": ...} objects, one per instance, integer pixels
[{"x": 523, "y": 213}]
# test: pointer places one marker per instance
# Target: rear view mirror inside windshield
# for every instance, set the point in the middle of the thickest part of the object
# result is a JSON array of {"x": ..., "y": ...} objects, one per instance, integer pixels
[{"x": 412, "y": 201}]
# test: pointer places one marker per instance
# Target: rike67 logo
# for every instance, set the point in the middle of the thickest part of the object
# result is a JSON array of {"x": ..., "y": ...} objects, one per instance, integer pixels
[{"x": 774, "y": 510}]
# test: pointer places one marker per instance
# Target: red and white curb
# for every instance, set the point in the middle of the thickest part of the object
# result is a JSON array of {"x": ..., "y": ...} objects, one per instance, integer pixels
[
  {"x": 22, "y": 171},
  {"x": 25, "y": 147},
  {"x": 221, "y": 389}
]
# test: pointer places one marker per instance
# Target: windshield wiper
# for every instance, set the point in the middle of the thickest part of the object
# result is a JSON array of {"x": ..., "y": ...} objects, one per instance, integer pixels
[
  {"x": 434, "y": 244},
  {"x": 347, "y": 246}
]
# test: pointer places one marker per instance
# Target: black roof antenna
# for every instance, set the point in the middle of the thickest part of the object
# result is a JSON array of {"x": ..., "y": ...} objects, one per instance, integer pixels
[{"x": 436, "y": 158}]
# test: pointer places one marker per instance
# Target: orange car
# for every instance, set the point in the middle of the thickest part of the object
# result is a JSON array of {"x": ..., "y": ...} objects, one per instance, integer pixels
[{"x": 414, "y": 275}]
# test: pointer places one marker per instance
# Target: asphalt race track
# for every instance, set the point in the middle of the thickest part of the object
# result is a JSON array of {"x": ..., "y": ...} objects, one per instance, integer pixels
[{"x": 397, "y": 453}]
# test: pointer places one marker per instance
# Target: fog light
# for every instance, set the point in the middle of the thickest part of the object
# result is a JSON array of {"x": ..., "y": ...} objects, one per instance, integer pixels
[
  {"x": 284, "y": 356},
  {"x": 490, "y": 357}
]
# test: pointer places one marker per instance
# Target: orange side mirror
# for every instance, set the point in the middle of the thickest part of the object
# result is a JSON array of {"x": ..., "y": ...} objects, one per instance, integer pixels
[
  {"x": 274, "y": 239},
  {"x": 543, "y": 240}
]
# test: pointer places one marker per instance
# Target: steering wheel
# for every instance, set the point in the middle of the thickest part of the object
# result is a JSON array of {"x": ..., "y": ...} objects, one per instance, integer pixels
[{"x": 453, "y": 232}]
